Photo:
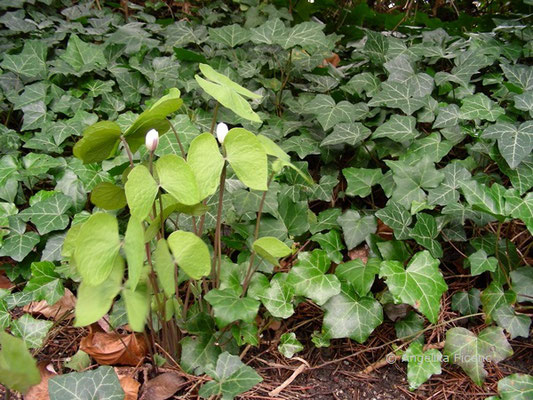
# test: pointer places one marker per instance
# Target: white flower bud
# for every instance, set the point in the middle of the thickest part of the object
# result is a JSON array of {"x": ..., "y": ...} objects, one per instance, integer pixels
[
  {"x": 152, "y": 140},
  {"x": 222, "y": 131}
]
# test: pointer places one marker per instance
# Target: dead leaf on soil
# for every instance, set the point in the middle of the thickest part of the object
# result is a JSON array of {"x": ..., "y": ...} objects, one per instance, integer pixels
[
  {"x": 384, "y": 231},
  {"x": 162, "y": 386},
  {"x": 360, "y": 253},
  {"x": 5, "y": 283},
  {"x": 129, "y": 385},
  {"x": 40, "y": 391},
  {"x": 333, "y": 60},
  {"x": 112, "y": 348},
  {"x": 64, "y": 305}
]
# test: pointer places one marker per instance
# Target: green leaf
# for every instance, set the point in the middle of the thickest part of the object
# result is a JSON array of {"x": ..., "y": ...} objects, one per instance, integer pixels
[
  {"x": 330, "y": 114},
  {"x": 514, "y": 143},
  {"x": 134, "y": 250},
  {"x": 466, "y": 303},
  {"x": 32, "y": 331},
  {"x": 276, "y": 295},
  {"x": 524, "y": 102},
  {"x": 97, "y": 247},
  {"x": 140, "y": 190},
  {"x": 289, "y": 345},
  {"x": 164, "y": 267},
  {"x": 308, "y": 35},
  {"x": 479, "y": 106},
  {"x": 425, "y": 232},
  {"x": 198, "y": 352},
  {"x": 49, "y": 214},
  {"x": 397, "y": 95},
  {"x": 351, "y": 316},
  {"x": 479, "y": 262},
  {"x": 361, "y": 180},
  {"x": 137, "y": 303},
  {"x": 519, "y": 74},
  {"x": 309, "y": 278},
  {"x": 191, "y": 253},
  {"x": 229, "y": 35},
  {"x": 231, "y": 378},
  {"x": 421, "y": 364},
  {"x": 396, "y": 217},
  {"x": 331, "y": 242},
  {"x": 516, "y": 324},
  {"x": 108, "y": 196},
  {"x": 410, "y": 327},
  {"x": 421, "y": 285},
  {"x": 79, "y": 361},
  {"x": 98, "y": 143},
  {"x": 482, "y": 197},
  {"x": 493, "y": 297},
  {"x": 93, "y": 302},
  {"x": 18, "y": 246},
  {"x": 45, "y": 283},
  {"x": 177, "y": 178},
  {"x": 18, "y": 369},
  {"x": 206, "y": 163},
  {"x": 350, "y": 133},
  {"x": 398, "y": 128},
  {"x": 447, "y": 117},
  {"x": 83, "y": 56},
  {"x": 356, "y": 228},
  {"x": 247, "y": 157},
  {"x": 522, "y": 279},
  {"x": 271, "y": 249},
  {"x": 269, "y": 32},
  {"x": 469, "y": 352},
  {"x": 516, "y": 387},
  {"x": 230, "y": 307},
  {"x": 294, "y": 215},
  {"x": 30, "y": 63},
  {"x": 358, "y": 274},
  {"x": 100, "y": 383}
]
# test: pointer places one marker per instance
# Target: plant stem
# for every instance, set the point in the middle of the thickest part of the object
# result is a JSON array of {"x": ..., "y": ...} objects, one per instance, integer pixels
[
  {"x": 214, "y": 120},
  {"x": 177, "y": 138},
  {"x": 128, "y": 150},
  {"x": 217, "y": 256}
]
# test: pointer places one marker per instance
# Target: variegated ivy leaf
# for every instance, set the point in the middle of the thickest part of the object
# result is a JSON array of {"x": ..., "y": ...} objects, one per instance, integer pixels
[
  {"x": 514, "y": 143},
  {"x": 358, "y": 274},
  {"x": 289, "y": 345},
  {"x": 493, "y": 297},
  {"x": 524, "y": 102},
  {"x": 479, "y": 106},
  {"x": 425, "y": 232},
  {"x": 516, "y": 387},
  {"x": 466, "y": 303},
  {"x": 332, "y": 243},
  {"x": 514, "y": 323},
  {"x": 410, "y": 327},
  {"x": 356, "y": 228},
  {"x": 480, "y": 262},
  {"x": 49, "y": 214},
  {"x": 420, "y": 285},
  {"x": 19, "y": 245},
  {"x": 447, "y": 117},
  {"x": 470, "y": 352},
  {"x": 396, "y": 217},
  {"x": 100, "y": 383},
  {"x": 376, "y": 47},
  {"x": 522, "y": 280},
  {"x": 307, "y": 35},
  {"x": 269, "y": 32},
  {"x": 229, "y": 306},
  {"x": 309, "y": 278},
  {"x": 421, "y": 364},
  {"x": 398, "y": 128},
  {"x": 397, "y": 95},
  {"x": 361, "y": 180},
  {"x": 330, "y": 114},
  {"x": 401, "y": 70},
  {"x": 32, "y": 331},
  {"x": 347, "y": 315},
  {"x": 277, "y": 298},
  {"x": 348, "y": 133},
  {"x": 31, "y": 62},
  {"x": 519, "y": 74},
  {"x": 365, "y": 82},
  {"x": 45, "y": 283},
  {"x": 480, "y": 196},
  {"x": 446, "y": 192},
  {"x": 229, "y": 35}
]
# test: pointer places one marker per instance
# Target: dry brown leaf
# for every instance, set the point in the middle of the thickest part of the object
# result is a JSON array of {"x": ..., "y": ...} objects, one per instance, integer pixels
[
  {"x": 384, "y": 231},
  {"x": 5, "y": 283},
  {"x": 360, "y": 253},
  {"x": 40, "y": 391},
  {"x": 56, "y": 311},
  {"x": 129, "y": 385},
  {"x": 113, "y": 348},
  {"x": 162, "y": 386},
  {"x": 333, "y": 60}
]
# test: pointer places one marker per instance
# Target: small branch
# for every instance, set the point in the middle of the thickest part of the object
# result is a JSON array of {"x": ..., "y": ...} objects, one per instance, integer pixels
[
  {"x": 217, "y": 254},
  {"x": 290, "y": 379},
  {"x": 182, "y": 149},
  {"x": 128, "y": 150},
  {"x": 214, "y": 120}
]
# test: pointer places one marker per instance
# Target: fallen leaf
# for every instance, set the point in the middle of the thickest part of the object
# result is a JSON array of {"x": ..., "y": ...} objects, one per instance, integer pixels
[
  {"x": 113, "y": 348},
  {"x": 162, "y": 386},
  {"x": 64, "y": 305},
  {"x": 384, "y": 231},
  {"x": 5, "y": 283},
  {"x": 360, "y": 253},
  {"x": 40, "y": 391},
  {"x": 333, "y": 60},
  {"x": 129, "y": 385}
]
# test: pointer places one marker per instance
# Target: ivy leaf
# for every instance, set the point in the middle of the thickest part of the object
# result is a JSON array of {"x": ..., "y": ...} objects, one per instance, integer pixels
[
  {"x": 18, "y": 246},
  {"x": 330, "y": 114},
  {"x": 410, "y": 327},
  {"x": 230, "y": 35},
  {"x": 350, "y": 133},
  {"x": 515, "y": 144},
  {"x": 30, "y": 63},
  {"x": 309, "y": 277},
  {"x": 361, "y": 180},
  {"x": 269, "y": 32},
  {"x": 358, "y": 274},
  {"x": 469, "y": 351},
  {"x": 230, "y": 307},
  {"x": 515, "y": 387},
  {"x": 479, "y": 106},
  {"x": 421, "y": 285},
  {"x": 351, "y": 316},
  {"x": 100, "y": 383},
  {"x": 289, "y": 345},
  {"x": 493, "y": 297},
  {"x": 32, "y": 331},
  {"x": 421, "y": 364},
  {"x": 516, "y": 324},
  {"x": 198, "y": 352},
  {"x": 522, "y": 279},
  {"x": 231, "y": 378},
  {"x": 397, "y": 95},
  {"x": 447, "y": 117},
  {"x": 79, "y": 361},
  {"x": 50, "y": 214},
  {"x": 425, "y": 231},
  {"x": 396, "y": 217},
  {"x": 519, "y": 74},
  {"x": 17, "y": 367},
  {"x": 308, "y": 35},
  {"x": 480, "y": 262},
  {"x": 466, "y": 303},
  {"x": 277, "y": 297},
  {"x": 482, "y": 197},
  {"x": 446, "y": 193},
  {"x": 376, "y": 47},
  {"x": 45, "y": 283},
  {"x": 331, "y": 242},
  {"x": 294, "y": 215},
  {"x": 356, "y": 228},
  {"x": 524, "y": 102},
  {"x": 398, "y": 128},
  {"x": 83, "y": 56}
]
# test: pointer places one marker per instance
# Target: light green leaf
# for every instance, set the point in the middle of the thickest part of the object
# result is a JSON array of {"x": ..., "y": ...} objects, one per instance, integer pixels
[
  {"x": 99, "y": 142},
  {"x": 514, "y": 143},
  {"x": 421, "y": 285},
  {"x": 271, "y": 249},
  {"x": 469, "y": 352},
  {"x": 134, "y": 250},
  {"x": 206, "y": 163},
  {"x": 247, "y": 157},
  {"x": 177, "y": 178},
  {"x": 421, "y": 364},
  {"x": 100, "y": 383},
  {"x": 191, "y": 253},
  {"x": 309, "y": 278},
  {"x": 514, "y": 323},
  {"x": 18, "y": 369},
  {"x": 229, "y": 306},
  {"x": 466, "y": 303},
  {"x": 164, "y": 267},
  {"x": 358, "y": 274},
  {"x": 398, "y": 128},
  {"x": 108, "y": 196},
  {"x": 93, "y": 302},
  {"x": 356, "y": 228},
  {"x": 137, "y": 303},
  {"x": 97, "y": 246},
  {"x": 49, "y": 214},
  {"x": 289, "y": 345},
  {"x": 361, "y": 180},
  {"x": 231, "y": 378}
]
